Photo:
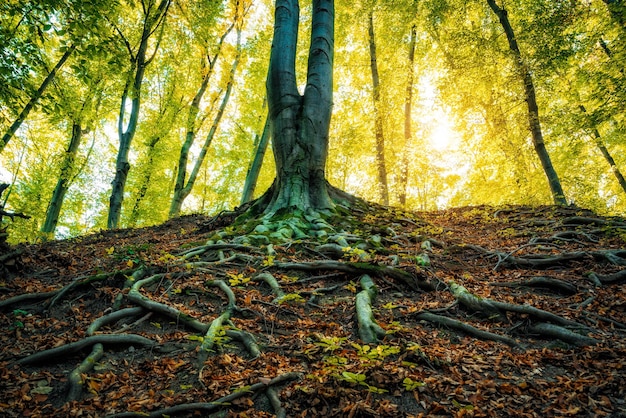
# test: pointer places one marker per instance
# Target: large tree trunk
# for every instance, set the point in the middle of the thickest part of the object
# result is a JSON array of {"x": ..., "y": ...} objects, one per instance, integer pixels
[
  {"x": 35, "y": 98},
  {"x": 63, "y": 184},
  {"x": 533, "y": 110},
  {"x": 300, "y": 123},
  {"x": 254, "y": 170},
  {"x": 378, "y": 117},
  {"x": 408, "y": 136},
  {"x": 139, "y": 62}
]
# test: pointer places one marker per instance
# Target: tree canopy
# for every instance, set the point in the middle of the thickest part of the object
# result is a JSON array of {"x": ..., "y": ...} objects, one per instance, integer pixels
[{"x": 199, "y": 108}]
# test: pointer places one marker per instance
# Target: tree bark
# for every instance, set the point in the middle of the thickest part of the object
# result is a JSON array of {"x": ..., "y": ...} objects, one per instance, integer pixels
[
  {"x": 533, "y": 109},
  {"x": 257, "y": 162},
  {"x": 300, "y": 123},
  {"x": 35, "y": 98},
  {"x": 378, "y": 119},
  {"x": 139, "y": 62},
  {"x": 408, "y": 101},
  {"x": 63, "y": 184}
]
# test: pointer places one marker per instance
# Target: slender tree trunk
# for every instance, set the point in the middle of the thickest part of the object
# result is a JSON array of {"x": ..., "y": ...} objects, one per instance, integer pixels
[
  {"x": 63, "y": 184},
  {"x": 257, "y": 162},
  {"x": 533, "y": 110},
  {"x": 139, "y": 62},
  {"x": 145, "y": 182},
  {"x": 605, "y": 152},
  {"x": 408, "y": 100},
  {"x": 35, "y": 98},
  {"x": 193, "y": 124},
  {"x": 180, "y": 194},
  {"x": 300, "y": 123},
  {"x": 378, "y": 117}
]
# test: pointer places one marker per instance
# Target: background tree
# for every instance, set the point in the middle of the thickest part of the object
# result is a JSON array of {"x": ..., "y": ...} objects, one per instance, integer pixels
[{"x": 153, "y": 21}]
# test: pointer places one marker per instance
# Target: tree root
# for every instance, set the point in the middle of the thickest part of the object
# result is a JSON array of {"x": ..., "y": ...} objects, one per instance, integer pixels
[
  {"x": 475, "y": 303},
  {"x": 491, "y": 307},
  {"x": 118, "y": 339},
  {"x": 113, "y": 317},
  {"x": 246, "y": 339},
  {"x": 75, "y": 380},
  {"x": 273, "y": 284},
  {"x": 135, "y": 296},
  {"x": 466, "y": 328},
  {"x": 412, "y": 281},
  {"x": 542, "y": 282},
  {"x": 563, "y": 334},
  {"x": 207, "y": 407},
  {"x": 369, "y": 330},
  {"x": 26, "y": 297},
  {"x": 217, "y": 324},
  {"x": 198, "y": 251},
  {"x": 272, "y": 396}
]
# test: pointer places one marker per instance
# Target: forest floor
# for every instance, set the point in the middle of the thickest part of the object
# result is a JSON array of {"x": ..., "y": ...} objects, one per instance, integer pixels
[{"x": 484, "y": 311}]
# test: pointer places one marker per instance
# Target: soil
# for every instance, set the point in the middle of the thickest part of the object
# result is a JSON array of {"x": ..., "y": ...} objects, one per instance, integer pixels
[{"x": 312, "y": 359}]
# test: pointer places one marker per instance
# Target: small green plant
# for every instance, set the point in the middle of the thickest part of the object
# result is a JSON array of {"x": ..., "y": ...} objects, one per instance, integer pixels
[
  {"x": 330, "y": 344},
  {"x": 378, "y": 353},
  {"x": 237, "y": 279},
  {"x": 355, "y": 254},
  {"x": 290, "y": 298},
  {"x": 17, "y": 323},
  {"x": 269, "y": 261},
  {"x": 410, "y": 384},
  {"x": 359, "y": 379}
]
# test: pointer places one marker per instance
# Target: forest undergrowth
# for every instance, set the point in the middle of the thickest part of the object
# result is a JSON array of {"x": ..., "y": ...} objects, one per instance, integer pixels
[{"x": 477, "y": 311}]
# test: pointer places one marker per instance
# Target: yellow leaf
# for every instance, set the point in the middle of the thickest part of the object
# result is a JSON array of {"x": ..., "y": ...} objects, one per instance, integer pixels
[
  {"x": 110, "y": 251},
  {"x": 130, "y": 263}
]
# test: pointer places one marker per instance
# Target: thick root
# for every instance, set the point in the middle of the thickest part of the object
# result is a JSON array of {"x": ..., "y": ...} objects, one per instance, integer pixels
[{"x": 369, "y": 331}]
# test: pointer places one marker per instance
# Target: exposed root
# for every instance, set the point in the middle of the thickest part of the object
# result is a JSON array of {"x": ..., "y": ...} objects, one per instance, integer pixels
[
  {"x": 369, "y": 330},
  {"x": 75, "y": 380},
  {"x": 113, "y": 317},
  {"x": 206, "y": 407},
  {"x": 555, "y": 331},
  {"x": 466, "y": 328},
  {"x": 26, "y": 297},
  {"x": 246, "y": 339},
  {"x": 544, "y": 283},
  {"x": 135, "y": 296},
  {"x": 71, "y": 348},
  {"x": 412, "y": 281},
  {"x": 217, "y": 324},
  {"x": 606, "y": 279},
  {"x": 273, "y": 284}
]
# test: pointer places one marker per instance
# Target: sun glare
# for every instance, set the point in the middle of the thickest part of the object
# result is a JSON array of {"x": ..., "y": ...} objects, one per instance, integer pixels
[{"x": 433, "y": 119}]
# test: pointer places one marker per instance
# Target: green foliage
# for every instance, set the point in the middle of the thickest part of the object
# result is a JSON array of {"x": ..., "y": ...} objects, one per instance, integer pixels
[{"x": 470, "y": 141}]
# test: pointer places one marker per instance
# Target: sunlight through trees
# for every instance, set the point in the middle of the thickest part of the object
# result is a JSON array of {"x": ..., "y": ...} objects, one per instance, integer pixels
[{"x": 469, "y": 140}]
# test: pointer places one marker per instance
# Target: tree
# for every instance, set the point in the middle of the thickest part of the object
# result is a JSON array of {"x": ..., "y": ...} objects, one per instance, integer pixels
[
  {"x": 378, "y": 117},
  {"x": 408, "y": 101},
  {"x": 533, "y": 110},
  {"x": 35, "y": 97},
  {"x": 184, "y": 185},
  {"x": 153, "y": 19},
  {"x": 252, "y": 176},
  {"x": 300, "y": 122}
]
